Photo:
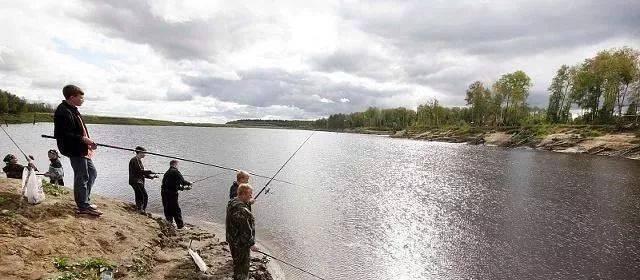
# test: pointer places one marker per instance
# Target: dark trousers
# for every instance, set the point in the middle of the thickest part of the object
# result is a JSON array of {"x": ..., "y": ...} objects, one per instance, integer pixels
[
  {"x": 84, "y": 174},
  {"x": 241, "y": 258},
  {"x": 171, "y": 208},
  {"x": 141, "y": 196}
]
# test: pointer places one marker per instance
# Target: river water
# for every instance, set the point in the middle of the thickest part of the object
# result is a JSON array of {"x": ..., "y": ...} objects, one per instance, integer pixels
[{"x": 370, "y": 207}]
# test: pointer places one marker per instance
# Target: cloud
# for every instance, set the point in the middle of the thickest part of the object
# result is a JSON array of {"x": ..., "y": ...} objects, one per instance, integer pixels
[{"x": 218, "y": 60}]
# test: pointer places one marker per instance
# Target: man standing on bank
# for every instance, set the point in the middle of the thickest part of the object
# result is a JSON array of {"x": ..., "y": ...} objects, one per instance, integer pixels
[
  {"x": 137, "y": 174},
  {"x": 74, "y": 142},
  {"x": 172, "y": 182},
  {"x": 240, "y": 231}
]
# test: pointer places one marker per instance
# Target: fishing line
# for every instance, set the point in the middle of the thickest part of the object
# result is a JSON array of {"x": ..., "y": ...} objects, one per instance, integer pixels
[
  {"x": 285, "y": 163},
  {"x": 291, "y": 265},
  {"x": 186, "y": 160}
]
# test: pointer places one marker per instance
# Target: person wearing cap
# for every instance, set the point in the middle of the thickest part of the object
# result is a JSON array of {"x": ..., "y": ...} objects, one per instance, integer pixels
[
  {"x": 14, "y": 170},
  {"x": 73, "y": 140},
  {"x": 56, "y": 173},
  {"x": 137, "y": 174}
]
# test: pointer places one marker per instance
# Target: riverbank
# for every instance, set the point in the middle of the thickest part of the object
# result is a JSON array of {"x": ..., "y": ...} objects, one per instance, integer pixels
[
  {"x": 594, "y": 140},
  {"x": 49, "y": 241}
]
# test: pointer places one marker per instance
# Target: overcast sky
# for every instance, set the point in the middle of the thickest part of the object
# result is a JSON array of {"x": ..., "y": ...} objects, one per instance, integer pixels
[{"x": 215, "y": 61}]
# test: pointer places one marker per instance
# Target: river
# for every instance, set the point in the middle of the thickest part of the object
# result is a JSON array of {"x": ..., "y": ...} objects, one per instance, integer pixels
[{"x": 371, "y": 207}]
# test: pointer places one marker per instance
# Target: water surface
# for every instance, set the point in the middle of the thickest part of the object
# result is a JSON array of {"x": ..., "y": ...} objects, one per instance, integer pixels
[{"x": 371, "y": 207}]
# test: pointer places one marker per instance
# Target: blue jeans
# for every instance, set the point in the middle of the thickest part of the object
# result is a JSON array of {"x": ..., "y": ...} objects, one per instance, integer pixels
[{"x": 84, "y": 174}]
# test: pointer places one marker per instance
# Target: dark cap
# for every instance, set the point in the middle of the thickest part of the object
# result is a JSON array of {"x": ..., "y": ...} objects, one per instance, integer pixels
[{"x": 140, "y": 149}]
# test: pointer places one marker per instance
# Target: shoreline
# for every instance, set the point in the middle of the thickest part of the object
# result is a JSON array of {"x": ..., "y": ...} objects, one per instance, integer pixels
[
  {"x": 561, "y": 139},
  {"x": 49, "y": 240}
]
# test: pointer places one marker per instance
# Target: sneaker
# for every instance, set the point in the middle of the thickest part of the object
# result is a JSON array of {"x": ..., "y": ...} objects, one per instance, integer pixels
[{"x": 89, "y": 211}]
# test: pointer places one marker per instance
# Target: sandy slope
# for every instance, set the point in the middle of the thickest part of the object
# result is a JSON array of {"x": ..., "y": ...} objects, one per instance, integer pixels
[{"x": 31, "y": 236}]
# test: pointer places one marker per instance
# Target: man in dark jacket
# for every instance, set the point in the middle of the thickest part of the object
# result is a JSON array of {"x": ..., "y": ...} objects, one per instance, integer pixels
[
  {"x": 74, "y": 142},
  {"x": 12, "y": 168},
  {"x": 137, "y": 174},
  {"x": 240, "y": 231},
  {"x": 172, "y": 182}
]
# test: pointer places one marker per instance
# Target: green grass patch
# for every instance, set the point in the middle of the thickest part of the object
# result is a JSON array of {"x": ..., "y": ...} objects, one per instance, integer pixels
[
  {"x": 52, "y": 189},
  {"x": 88, "y": 269}
]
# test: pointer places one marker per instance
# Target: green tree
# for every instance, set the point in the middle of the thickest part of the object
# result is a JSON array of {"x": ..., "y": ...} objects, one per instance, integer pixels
[
  {"x": 478, "y": 96},
  {"x": 559, "y": 98},
  {"x": 514, "y": 89}
]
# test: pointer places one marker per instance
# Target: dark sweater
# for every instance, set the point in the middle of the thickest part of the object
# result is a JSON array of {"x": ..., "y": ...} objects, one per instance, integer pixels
[
  {"x": 172, "y": 181},
  {"x": 68, "y": 131},
  {"x": 13, "y": 170},
  {"x": 137, "y": 174},
  {"x": 233, "y": 191}
]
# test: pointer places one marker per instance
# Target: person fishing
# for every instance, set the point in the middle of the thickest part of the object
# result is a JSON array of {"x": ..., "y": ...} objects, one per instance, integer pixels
[
  {"x": 172, "y": 182},
  {"x": 74, "y": 142},
  {"x": 13, "y": 169},
  {"x": 240, "y": 231},
  {"x": 56, "y": 172},
  {"x": 137, "y": 174},
  {"x": 242, "y": 177}
]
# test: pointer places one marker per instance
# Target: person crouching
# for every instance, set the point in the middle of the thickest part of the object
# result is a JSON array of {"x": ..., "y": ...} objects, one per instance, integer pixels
[
  {"x": 56, "y": 172},
  {"x": 172, "y": 182}
]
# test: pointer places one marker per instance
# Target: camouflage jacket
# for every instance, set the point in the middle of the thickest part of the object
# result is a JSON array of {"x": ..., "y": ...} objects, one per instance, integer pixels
[{"x": 240, "y": 224}]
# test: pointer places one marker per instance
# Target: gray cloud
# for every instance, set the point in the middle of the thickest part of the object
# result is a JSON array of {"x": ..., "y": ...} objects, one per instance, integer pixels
[
  {"x": 195, "y": 39},
  {"x": 504, "y": 27},
  {"x": 271, "y": 87},
  {"x": 381, "y": 53}
]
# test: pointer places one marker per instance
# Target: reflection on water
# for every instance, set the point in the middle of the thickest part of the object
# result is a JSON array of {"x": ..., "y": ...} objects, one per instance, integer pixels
[{"x": 378, "y": 208}]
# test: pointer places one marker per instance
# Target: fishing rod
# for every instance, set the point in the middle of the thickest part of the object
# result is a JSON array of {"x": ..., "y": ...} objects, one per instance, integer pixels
[
  {"x": 14, "y": 142},
  {"x": 182, "y": 159},
  {"x": 29, "y": 159},
  {"x": 281, "y": 167},
  {"x": 291, "y": 265}
]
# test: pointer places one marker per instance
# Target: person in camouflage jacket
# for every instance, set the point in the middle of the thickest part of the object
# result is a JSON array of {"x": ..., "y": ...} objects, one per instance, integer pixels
[{"x": 240, "y": 231}]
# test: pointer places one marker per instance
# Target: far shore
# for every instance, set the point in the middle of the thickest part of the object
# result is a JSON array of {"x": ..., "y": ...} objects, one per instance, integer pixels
[{"x": 603, "y": 140}]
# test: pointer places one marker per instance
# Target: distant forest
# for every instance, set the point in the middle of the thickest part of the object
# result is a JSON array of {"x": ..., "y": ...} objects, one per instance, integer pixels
[
  {"x": 12, "y": 104},
  {"x": 604, "y": 88}
]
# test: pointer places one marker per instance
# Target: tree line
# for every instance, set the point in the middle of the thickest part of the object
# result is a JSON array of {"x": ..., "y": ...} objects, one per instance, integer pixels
[
  {"x": 605, "y": 89},
  {"x": 12, "y": 104}
]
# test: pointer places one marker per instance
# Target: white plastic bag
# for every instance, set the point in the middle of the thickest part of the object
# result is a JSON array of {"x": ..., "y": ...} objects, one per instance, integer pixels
[{"x": 32, "y": 186}]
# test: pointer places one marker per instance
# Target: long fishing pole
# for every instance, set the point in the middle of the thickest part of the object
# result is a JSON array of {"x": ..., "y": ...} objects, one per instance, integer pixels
[
  {"x": 291, "y": 265},
  {"x": 281, "y": 167},
  {"x": 18, "y": 146},
  {"x": 14, "y": 142},
  {"x": 183, "y": 159}
]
